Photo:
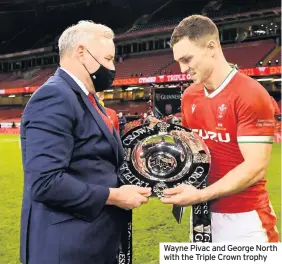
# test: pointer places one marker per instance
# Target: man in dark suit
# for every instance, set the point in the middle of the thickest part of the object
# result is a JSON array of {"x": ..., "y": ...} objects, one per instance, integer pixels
[{"x": 73, "y": 208}]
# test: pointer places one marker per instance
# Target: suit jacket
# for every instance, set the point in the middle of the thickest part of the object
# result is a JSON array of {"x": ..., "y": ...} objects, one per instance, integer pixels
[
  {"x": 70, "y": 160},
  {"x": 112, "y": 114}
]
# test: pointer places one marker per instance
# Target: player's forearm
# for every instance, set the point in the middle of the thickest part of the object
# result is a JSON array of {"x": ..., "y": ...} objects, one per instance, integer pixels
[{"x": 238, "y": 179}]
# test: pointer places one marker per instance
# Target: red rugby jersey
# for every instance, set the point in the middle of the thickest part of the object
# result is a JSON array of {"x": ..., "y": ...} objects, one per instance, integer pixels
[{"x": 239, "y": 111}]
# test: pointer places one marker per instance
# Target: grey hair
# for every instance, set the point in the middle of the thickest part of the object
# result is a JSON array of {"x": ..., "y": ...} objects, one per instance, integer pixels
[{"x": 82, "y": 32}]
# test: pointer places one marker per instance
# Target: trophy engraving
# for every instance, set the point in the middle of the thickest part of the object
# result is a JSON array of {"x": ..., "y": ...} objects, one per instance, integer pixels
[{"x": 163, "y": 127}]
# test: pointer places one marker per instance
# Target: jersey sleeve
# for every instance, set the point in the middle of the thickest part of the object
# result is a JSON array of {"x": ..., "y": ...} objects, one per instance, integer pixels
[{"x": 255, "y": 116}]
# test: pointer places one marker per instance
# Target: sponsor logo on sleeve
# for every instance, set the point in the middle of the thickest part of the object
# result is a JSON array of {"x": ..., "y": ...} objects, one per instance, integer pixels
[{"x": 265, "y": 123}]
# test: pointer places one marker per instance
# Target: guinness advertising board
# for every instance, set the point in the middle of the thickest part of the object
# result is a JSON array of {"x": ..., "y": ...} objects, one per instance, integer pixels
[{"x": 166, "y": 101}]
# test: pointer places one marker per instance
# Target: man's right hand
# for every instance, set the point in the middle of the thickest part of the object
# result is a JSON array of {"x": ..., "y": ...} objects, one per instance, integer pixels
[{"x": 128, "y": 196}]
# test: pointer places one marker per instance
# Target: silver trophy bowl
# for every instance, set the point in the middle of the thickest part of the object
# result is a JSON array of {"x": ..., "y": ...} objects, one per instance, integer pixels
[{"x": 163, "y": 156}]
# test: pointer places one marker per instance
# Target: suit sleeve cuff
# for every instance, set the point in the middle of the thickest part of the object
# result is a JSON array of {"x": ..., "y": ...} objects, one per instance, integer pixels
[{"x": 100, "y": 197}]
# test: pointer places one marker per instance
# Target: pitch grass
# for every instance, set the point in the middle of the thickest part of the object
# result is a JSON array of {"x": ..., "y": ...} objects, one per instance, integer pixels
[{"x": 153, "y": 223}]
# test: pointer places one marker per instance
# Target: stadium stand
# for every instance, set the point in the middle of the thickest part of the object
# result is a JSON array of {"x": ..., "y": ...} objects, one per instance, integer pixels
[
  {"x": 277, "y": 57},
  {"x": 156, "y": 62},
  {"x": 158, "y": 24},
  {"x": 10, "y": 113},
  {"x": 43, "y": 76},
  {"x": 163, "y": 17},
  {"x": 237, "y": 53},
  {"x": 4, "y": 76},
  {"x": 273, "y": 55},
  {"x": 233, "y": 7},
  {"x": 248, "y": 54},
  {"x": 147, "y": 64},
  {"x": 148, "y": 23},
  {"x": 37, "y": 77}
]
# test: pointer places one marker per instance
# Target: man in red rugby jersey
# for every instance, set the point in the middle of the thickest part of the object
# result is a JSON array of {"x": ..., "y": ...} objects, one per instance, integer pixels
[{"x": 232, "y": 113}]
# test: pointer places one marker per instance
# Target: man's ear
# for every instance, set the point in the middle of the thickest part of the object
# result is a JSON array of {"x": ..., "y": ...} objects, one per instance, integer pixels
[
  {"x": 80, "y": 53},
  {"x": 211, "y": 46}
]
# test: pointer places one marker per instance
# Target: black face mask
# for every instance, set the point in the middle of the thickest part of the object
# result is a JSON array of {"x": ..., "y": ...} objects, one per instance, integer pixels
[{"x": 103, "y": 78}]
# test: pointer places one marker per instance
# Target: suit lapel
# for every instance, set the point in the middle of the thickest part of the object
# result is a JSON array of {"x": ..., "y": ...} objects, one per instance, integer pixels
[
  {"x": 115, "y": 144},
  {"x": 102, "y": 125}
]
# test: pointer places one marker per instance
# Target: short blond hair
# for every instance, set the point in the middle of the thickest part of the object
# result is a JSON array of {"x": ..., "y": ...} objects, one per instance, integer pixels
[
  {"x": 82, "y": 32},
  {"x": 195, "y": 27}
]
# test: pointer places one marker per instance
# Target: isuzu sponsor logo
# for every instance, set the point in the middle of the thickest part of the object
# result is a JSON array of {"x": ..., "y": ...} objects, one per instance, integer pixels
[{"x": 215, "y": 136}]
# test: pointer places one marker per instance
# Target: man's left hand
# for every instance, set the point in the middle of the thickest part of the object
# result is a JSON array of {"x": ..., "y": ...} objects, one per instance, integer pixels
[{"x": 182, "y": 195}]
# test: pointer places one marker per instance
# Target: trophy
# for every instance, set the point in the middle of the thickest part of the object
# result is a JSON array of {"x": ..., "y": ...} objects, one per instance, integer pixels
[{"x": 163, "y": 156}]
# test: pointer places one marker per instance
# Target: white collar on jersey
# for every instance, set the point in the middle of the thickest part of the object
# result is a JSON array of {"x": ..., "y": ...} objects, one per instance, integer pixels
[{"x": 222, "y": 86}]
